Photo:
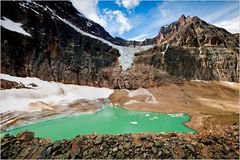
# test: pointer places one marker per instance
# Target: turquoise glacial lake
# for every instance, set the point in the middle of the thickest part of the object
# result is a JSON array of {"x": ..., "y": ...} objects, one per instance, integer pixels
[{"x": 110, "y": 120}]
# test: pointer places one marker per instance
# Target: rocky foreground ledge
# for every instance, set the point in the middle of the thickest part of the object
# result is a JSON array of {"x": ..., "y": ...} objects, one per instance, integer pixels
[{"x": 217, "y": 145}]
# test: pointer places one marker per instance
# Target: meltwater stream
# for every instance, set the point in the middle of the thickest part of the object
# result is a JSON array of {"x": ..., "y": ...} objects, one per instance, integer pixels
[{"x": 111, "y": 120}]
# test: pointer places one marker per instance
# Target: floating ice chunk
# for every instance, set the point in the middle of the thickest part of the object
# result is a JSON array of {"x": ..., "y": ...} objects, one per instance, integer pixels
[
  {"x": 134, "y": 122},
  {"x": 155, "y": 117},
  {"x": 176, "y": 115}
]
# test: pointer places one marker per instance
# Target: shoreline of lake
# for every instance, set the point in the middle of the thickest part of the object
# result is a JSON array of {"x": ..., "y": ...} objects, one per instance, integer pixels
[
  {"x": 222, "y": 143},
  {"x": 109, "y": 120}
]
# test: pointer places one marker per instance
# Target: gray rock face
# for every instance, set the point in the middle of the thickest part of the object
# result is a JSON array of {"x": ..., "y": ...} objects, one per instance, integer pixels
[
  {"x": 5, "y": 84},
  {"x": 204, "y": 63}
]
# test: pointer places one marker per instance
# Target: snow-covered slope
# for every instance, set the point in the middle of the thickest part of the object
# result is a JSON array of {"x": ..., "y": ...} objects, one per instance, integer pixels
[{"x": 13, "y": 26}]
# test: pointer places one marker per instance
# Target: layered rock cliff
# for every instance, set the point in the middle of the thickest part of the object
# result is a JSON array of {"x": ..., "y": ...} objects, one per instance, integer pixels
[{"x": 204, "y": 63}]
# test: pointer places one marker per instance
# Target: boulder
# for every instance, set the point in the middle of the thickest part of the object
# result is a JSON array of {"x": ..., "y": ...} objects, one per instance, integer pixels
[{"x": 25, "y": 136}]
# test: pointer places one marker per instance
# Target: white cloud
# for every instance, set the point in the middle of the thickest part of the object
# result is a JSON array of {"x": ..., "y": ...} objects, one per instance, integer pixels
[
  {"x": 232, "y": 25},
  {"x": 114, "y": 21},
  {"x": 89, "y": 9},
  {"x": 141, "y": 37},
  {"x": 118, "y": 22},
  {"x": 128, "y": 4},
  {"x": 118, "y": 2},
  {"x": 220, "y": 13},
  {"x": 165, "y": 12}
]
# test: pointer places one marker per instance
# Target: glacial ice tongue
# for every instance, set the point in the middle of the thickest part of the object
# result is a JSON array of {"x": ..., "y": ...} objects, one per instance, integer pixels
[{"x": 126, "y": 53}]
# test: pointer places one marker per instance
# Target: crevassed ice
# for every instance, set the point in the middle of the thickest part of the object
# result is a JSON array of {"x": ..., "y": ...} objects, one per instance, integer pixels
[
  {"x": 13, "y": 26},
  {"x": 47, "y": 92},
  {"x": 128, "y": 53}
]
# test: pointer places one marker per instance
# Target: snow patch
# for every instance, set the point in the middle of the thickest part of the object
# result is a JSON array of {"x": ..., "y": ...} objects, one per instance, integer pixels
[
  {"x": 143, "y": 91},
  {"x": 46, "y": 92},
  {"x": 35, "y": 11},
  {"x": 38, "y": 5},
  {"x": 131, "y": 102},
  {"x": 50, "y": 9},
  {"x": 89, "y": 24},
  {"x": 23, "y": 5},
  {"x": 13, "y": 26},
  {"x": 229, "y": 83},
  {"x": 197, "y": 80},
  {"x": 165, "y": 49}
]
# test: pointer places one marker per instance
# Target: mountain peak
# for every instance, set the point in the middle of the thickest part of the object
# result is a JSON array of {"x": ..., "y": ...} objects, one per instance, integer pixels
[
  {"x": 194, "y": 32},
  {"x": 195, "y": 19},
  {"x": 182, "y": 20},
  {"x": 183, "y": 17}
]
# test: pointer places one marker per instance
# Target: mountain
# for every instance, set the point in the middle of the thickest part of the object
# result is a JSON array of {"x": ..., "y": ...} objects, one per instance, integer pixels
[
  {"x": 54, "y": 42},
  {"x": 193, "y": 49},
  {"x": 57, "y": 49},
  {"x": 194, "y": 32}
]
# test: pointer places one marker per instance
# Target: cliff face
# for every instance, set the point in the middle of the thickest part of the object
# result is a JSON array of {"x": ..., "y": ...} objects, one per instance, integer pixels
[
  {"x": 54, "y": 51},
  {"x": 205, "y": 63}
]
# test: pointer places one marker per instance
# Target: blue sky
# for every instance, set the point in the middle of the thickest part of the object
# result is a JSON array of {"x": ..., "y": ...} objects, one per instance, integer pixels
[{"x": 140, "y": 19}]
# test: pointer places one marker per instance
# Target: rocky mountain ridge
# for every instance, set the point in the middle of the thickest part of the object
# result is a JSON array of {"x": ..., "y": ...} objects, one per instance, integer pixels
[
  {"x": 62, "y": 48},
  {"x": 194, "y": 32},
  {"x": 193, "y": 49}
]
